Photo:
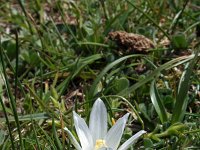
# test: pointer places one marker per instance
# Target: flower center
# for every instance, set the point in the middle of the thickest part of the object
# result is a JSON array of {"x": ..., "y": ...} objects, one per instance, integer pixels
[{"x": 100, "y": 143}]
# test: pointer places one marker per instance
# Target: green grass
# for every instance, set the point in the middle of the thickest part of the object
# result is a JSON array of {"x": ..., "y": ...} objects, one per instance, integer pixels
[{"x": 56, "y": 57}]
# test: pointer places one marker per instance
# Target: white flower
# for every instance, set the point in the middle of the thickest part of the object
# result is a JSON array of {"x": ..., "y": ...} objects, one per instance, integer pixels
[{"x": 96, "y": 136}]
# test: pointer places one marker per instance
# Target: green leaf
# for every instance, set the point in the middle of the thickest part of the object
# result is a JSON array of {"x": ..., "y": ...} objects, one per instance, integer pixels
[
  {"x": 157, "y": 103},
  {"x": 144, "y": 111},
  {"x": 148, "y": 143},
  {"x": 2, "y": 136},
  {"x": 105, "y": 70},
  {"x": 157, "y": 72},
  {"x": 181, "y": 98},
  {"x": 29, "y": 117},
  {"x": 57, "y": 140},
  {"x": 179, "y": 41},
  {"x": 120, "y": 84}
]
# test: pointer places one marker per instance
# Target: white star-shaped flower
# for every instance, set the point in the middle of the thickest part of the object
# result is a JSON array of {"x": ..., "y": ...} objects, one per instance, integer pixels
[{"x": 96, "y": 136}]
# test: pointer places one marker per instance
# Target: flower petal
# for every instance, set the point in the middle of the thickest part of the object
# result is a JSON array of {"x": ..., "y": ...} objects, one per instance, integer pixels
[
  {"x": 98, "y": 120},
  {"x": 114, "y": 135},
  {"x": 105, "y": 148},
  {"x": 73, "y": 139},
  {"x": 131, "y": 140},
  {"x": 83, "y": 132}
]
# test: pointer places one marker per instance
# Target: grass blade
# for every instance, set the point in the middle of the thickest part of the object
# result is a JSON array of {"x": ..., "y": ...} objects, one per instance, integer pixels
[
  {"x": 12, "y": 101},
  {"x": 150, "y": 18},
  {"x": 35, "y": 135},
  {"x": 181, "y": 98},
  {"x": 104, "y": 71},
  {"x": 57, "y": 141},
  {"x": 157, "y": 103},
  {"x": 47, "y": 137},
  {"x": 178, "y": 17},
  {"x": 29, "y": 117},
  {"x": 5, "y": 113},
  {"x": 157, "y": 72},
  {"x": 7, "y": 122}
]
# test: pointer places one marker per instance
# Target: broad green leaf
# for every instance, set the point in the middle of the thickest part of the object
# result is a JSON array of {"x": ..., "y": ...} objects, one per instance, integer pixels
[
  {"x": 179, "y": 41},
  {"x": 120, "y": 84},
  {"x": 148, "y": 143}
]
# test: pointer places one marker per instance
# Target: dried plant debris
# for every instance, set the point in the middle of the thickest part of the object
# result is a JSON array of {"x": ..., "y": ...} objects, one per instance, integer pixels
[
  {"x": 130, "y": 42},
  {"x": 165, "y": 42}
]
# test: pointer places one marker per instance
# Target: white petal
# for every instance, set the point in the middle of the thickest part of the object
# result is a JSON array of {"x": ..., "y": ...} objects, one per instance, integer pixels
[
  {"x": 98, "y": 120},
  {"x": 73, "y": 139},
  {"x": 131, "y": 140},
  {"x": 114, "y": 135},
  {"x": 83, "y": 132},
  {"x": 105, "y": 148}
]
